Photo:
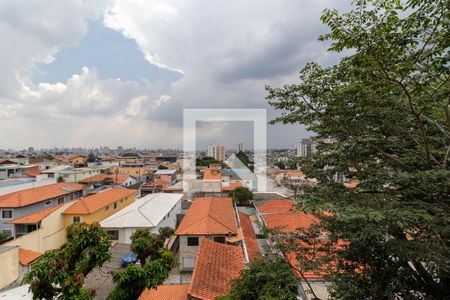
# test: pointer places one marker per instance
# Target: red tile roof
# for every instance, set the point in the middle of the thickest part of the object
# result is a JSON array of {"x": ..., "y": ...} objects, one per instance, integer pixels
[
  {"x": 37, "y": 216},
  {"x": 98, "y": 201},
  {"x": 249, "y": 236},
  {"x": 351, "y": 185},
  {"x": 278, "y": 214},
  {"x": 38, "y": 194},
  {"x": 212, "y": 174},
  {"x": 276, "y": 206},
  {"x": 166, "y": 292},
  {"x": 212, "y": 215},
  {"x": 26, "y": 257},
  {"x": 32, "y": 172},
  {"x": 295, "y": 173},
  {"x": 290, "y": 222},
  {"x": 232, "y": 186},
  {"x": 6, "y": 161},
  {"x": 116, "y": 178},
  {"x": 217, "y": 264}
]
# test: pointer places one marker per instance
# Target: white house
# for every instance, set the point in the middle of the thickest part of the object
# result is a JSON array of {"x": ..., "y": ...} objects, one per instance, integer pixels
[{"x": 152, "y": 211}]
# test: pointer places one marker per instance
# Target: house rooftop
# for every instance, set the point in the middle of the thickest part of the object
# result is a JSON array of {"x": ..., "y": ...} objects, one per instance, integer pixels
[
  {"x": 211, "y": 215},
  {"x": 249, "y": 236},
  {"x": 116, "y": 178},
  {"x": 147, "y": 211},
  {"x": 26, "y": 257},
  {"x": 36, "y": 216},
  {"x": 98, "y": 201},
  {"x": 165, "y": 172},
  {"x": 38, "y": 194},
  {"x": 212, "y": 174},
  {"x": 217, "y": 264},
  {"x": 166, "y": 292}
]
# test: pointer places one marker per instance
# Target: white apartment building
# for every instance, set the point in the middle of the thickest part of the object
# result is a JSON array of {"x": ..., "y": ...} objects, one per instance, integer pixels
[{"x": 216, "y": 151}]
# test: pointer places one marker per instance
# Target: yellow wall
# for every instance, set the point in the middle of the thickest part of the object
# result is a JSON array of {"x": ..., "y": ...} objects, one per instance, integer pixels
[
  {"x": 78, "y": 160},
  {"x": 9, "y": 260},
  {"x": 51, "y": 235},
  {"x": 101, "y": 214}
]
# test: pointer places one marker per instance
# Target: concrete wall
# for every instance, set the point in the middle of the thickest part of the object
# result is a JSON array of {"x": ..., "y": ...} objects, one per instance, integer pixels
[
  {"x": 9, "y": 260},
  {"x": 191, "y": 252},
  {"x": 51, "y": 235}
]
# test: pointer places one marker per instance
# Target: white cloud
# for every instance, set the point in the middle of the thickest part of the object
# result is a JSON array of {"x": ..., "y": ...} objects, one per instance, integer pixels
[{"x": 226, "y": 50}]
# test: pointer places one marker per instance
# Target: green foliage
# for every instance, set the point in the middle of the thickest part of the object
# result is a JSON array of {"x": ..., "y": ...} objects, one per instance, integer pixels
[
  {"x": 60, "y": 179},
  {"x": 207, "y": 161},
  {"x": 91, "y": 157},
  {"x": 240, "y": 194},
  {"x": 156, "y": 263},
  {"x": 108, "y": 181},
  {"x": 382, "y": 117},
  {"x": 3, "y": 236},
  {"x": 60, "y": 273},
  {"x": 280, "y": 165},
  {"x": 245, "y": 160},
  {"x": 267, "y": 278}
]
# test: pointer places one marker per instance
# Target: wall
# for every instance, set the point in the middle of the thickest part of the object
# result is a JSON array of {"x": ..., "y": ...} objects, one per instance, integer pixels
[
  {"x": 9, "y": 260},
  {"x": 191, "y": 251},
  {"x": 51, "y": 235}
]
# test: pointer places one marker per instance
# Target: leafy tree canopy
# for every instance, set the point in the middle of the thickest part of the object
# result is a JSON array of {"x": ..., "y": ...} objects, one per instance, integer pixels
[
  {"x": 60, "y": 273},
  {"x": 267, "y": 278},
  {"x": 155, "y": 264},
  {"x": 207, "y": 161},
  {"x": 241, "y": 194},
  {"x": 382, "y": 118}
]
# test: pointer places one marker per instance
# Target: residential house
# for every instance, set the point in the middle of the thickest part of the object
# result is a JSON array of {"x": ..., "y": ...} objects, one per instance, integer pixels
[
  {"x": 280, "y": 214},
  {"x": 153, "y": 211},
  {"x": 18, "y": 184},
  {"x": 210, "y": 218},
  {"x": 119, "y": 179},
  {"x": 217, "y": 265},
  {"x": 76, "y": 174},
  {"x": 26, "y": 260},
  {"x": 10, "y": 169},
  {"x": 97, "y": 207},
  {"x": 42, "y": 230},
  {"x": 76, "y": 160},
  {"x": 166, "y": 175},
  {"x": 212, "y": 181},
  {"x": 21, "y": 203}
]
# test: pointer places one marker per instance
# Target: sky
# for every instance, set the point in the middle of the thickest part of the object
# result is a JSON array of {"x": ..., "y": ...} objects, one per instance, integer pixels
[{"x": 120, "y": 72}]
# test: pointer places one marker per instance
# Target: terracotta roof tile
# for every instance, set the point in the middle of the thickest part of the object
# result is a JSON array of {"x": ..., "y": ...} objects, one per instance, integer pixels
[
  {"x": 38, "y": 194},
  {"x": 212, "y": 174},
  {"x": 26, "y": 257},
  {"x": 249, "y": 236},
  {"x": 116, "y": 178},
  {"x": 217, "y": 264},
  {"x": 276, "y": 206},
  {"x": 98, "y": 201},
  {"x": 37, "y": 216},
  {"x": 290, "y": 222},
  {"x": 32, "y": 172},
  {"x": 166, "y": 292},
  {"x": 232, "y": 186},
  {"x": 212, "y": 215}
]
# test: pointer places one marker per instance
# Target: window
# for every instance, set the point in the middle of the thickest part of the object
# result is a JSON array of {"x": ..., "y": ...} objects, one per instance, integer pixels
[
  {"x": 7, "y": 214},
  {"x": 71, "y": 197},
  {"x": 60, "y": 200},
  {"x": 48, "y": 203},
  {"x": 7, "y": 232},
  {"x": 188, "y": 262},
  {"x": 113, "y": 234},
  {"x": 192, "y": 241},
  {"x": 219, "y": 239},
  {"x": 76, "y": 220},
  {"x": 115, "y": 205}
]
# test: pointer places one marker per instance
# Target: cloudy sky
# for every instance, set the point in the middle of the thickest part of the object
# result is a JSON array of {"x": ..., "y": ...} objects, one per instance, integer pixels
[{"x": 120, "y": 72}]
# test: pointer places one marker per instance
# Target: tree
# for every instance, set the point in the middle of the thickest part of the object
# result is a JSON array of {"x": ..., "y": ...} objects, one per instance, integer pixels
[
  {"x": 60, "y": 273},
  {"x": 240, "y": 195},
  {"x": 207, "y": 161},
  {"x": 155, "y": 264},
  {"x": 382, "y": 118},
  {"x": 60, "y": 179},
  {"x": 266, "y": 278},
  {"x": 280, "y": 165},
  {"x": 108, "y": 181},
  {"x": 91, "y": 157},
  {"x": 3, "y": 237}
]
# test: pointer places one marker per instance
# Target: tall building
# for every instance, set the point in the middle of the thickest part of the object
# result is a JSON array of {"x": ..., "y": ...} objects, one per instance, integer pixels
[
  {"x": 216, "y": 151},
  {"x": 305, "y": 148},
  {"x": 240, "y": 147}
]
